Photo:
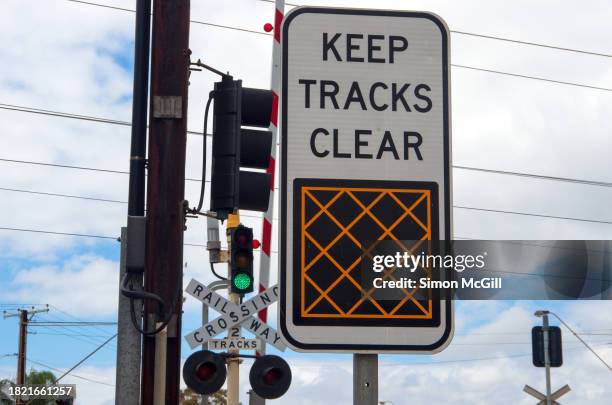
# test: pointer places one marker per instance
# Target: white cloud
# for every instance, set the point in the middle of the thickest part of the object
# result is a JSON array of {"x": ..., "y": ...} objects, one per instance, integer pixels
[
  {"x": 85, "y": 285},
  {"x": 59, "y": 55}
]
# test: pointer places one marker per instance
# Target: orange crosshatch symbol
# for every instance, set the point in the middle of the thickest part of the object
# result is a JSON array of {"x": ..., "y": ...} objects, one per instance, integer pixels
[{"x": 339, "y": 225}]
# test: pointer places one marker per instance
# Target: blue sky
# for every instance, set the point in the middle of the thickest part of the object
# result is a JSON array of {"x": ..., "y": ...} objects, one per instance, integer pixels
[{"x": 79, "y": 60}]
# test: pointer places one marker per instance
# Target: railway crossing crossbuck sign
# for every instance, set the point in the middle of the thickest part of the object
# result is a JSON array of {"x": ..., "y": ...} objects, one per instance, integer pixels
[{"x": 365, "y": 158}]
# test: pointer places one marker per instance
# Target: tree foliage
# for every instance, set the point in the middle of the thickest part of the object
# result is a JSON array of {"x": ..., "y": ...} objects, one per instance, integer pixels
[
  {"x": 33, "y": 377},
  {"x": 218, "y": 398}
]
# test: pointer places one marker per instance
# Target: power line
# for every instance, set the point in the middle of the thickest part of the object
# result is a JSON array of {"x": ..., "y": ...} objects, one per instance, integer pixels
[
  {"x": 64, "y": 323},
  {"x": 513, "y": 343},
  {"x": 596, "y": 221},
  {"x": 455, "y": 65},
  {"x": 477, "y": 169},
  {"x": 71, "y": 329},
  {"x": 89, "y": 3},
  {"x": 433, "y": 363},
  {"x": 85, "y": 358},
  {"x": 532, "y": 77},
  {"x": 68, "y": 334},
  {"x": 60, "y": 114},
  {"x": 107, "y": 121},
  {"x": 58, "y": 233},
  {"x": 582, "y": 340},
  {"x": 33, "y": 110},
  {"x": 28, "y": 162},
  {"x": 75, "y": 318},
  {"x": 78, "y": 197},
  {"x": 92, "y": 169},
  {"x": 273, "y": 251},
  {"x": 74, "y": 375},
  {"x": 62, "y": 195},
  {"x": 537, "y": 44},
  {"x": 536, "y": 176},
  {"x": 77, "y": 234},
  {"x": 516, "y": 41}
]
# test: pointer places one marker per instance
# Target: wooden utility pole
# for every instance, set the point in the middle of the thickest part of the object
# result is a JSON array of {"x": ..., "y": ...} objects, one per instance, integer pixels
[
  {"x": 165, "y": 191},
  {"x": 21, "y": 355},
  {"x": 24, "y": 317}
]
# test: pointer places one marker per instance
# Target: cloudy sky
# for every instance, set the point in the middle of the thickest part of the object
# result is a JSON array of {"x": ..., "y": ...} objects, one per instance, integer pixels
[{"x": 76, "y": 58}]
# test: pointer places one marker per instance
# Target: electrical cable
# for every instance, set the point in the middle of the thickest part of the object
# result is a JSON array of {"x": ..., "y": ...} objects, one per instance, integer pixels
[
  {"x": 58, "y": 233},
  {"x": 461, "y": 167},
  {"x": 594, "y": 221},
  {"x": 516, "y": 41},
  {"x": 544, "y": 79},
  {"x": 93, "y": 169},
  {"x": 61, "y": 323},
  {"x": 143, "y": 295},
  {"x": 582, "y": 340},
  {"x": 101, "y": 329},
  {"x": 61, "y": 328},
  {"x": 85, "y": 358},
  {"x": 198, "y": 209},
  {"x": 59, "y": 114},
  {"x": 62, "y": 195},
  {"x": 69, "y": 334},
  {"x": 535, "y": 176},
  {"x": 73, "y": 375},
  {"x": 212, "y": 268},
  {"x": 455, "y": 65}
]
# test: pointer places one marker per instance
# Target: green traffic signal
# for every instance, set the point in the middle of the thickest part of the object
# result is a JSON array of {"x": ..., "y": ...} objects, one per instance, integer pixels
[{"x": 242, "y": 281}]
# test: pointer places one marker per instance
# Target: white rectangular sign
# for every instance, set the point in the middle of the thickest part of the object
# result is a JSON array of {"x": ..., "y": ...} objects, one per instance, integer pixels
[
  {"x": 259, "y": 328},
  {"x": 233, "y": 314},
  {"x": 207, "y": 296},
  {"x": 365, "y": 156},
  {"x": 233, "y": 343}
]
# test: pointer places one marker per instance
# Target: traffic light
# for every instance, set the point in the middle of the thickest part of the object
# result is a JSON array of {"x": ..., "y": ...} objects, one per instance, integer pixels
[
  {"x": 270, "y": 376},
  {"x": 554, "y": 346},
  {"x": 241, "y": 276},
  {"x": 204, "y": 372},
  {"x": 235, "y": 148}
]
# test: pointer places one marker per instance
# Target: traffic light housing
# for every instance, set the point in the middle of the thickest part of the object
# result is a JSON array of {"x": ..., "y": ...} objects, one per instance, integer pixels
[
  {"x": 204, "y": 372},
  {"x": 554, "y": 346},
  {"x": 270, "y": 376},
  {"x": 235, "y": 148},
  {"x": 241, "y": 263}
]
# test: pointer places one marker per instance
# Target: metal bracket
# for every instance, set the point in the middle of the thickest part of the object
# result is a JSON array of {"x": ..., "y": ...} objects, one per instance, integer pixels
[
  {"x": 167, "y": 107},
  {"x": 135, "y": 252},
  {"x": 218, "y": 256}
]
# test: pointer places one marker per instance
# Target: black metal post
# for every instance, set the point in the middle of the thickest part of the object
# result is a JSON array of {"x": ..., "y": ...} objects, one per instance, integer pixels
[{"x": 136, "y": 199}]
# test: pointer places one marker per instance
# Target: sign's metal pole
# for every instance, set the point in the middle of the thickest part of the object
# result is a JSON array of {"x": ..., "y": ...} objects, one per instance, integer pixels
[
  {"x": 365, "y": 379},
  {"x": 233, "y": 363},
  {"x": 546, "y": 356},
  {"x": 204, "y": 398},
  {"x": 213, "y": 246}
]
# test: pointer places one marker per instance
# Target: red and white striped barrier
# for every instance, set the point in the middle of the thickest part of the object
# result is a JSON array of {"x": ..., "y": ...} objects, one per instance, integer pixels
[{"x": 266, "y": 239}]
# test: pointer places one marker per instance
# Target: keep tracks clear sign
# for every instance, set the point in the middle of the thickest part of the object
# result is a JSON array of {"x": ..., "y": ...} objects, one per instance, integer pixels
[{"x": 365, "y": 157}]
